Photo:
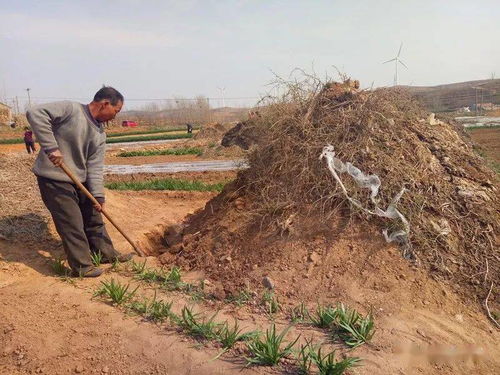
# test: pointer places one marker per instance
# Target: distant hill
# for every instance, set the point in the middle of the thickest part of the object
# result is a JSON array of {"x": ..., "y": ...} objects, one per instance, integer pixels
[{"x": 445, "y": 98}]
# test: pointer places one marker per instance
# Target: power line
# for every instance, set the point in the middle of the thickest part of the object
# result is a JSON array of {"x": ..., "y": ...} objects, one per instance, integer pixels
[{"x": 149, "y": 99}]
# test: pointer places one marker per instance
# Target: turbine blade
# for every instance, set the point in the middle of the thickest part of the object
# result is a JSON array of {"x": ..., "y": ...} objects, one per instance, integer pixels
[
  {"x": 402, "y": 63},
  {"x": 389, "y": 61},
  {"x": 401, "y": 46}
]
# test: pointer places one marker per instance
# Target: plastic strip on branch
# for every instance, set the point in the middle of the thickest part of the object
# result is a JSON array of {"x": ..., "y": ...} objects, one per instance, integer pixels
[{"x": 373, "y": 183}]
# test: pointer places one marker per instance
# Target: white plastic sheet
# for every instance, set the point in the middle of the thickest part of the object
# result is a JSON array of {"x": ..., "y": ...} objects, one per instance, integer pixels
[{"x": 373, "y": 183}]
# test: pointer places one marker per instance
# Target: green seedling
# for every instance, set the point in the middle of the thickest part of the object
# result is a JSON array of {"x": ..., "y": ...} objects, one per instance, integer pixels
[
  {"x": 271, "y": 303},
  {"x": 228, "y": 336},
  {"x": 196, "y": 325},
  {"x": 241, "y": 298},
  {"x": 327, "y": 365},
  {"x": 352, "y": 328},
  {"x": 150, "y": 275},
  {"x": 269, "y": 351},
  {"x": 59, "y": 267},
  {"x": 324, "y": 316},
  {"x": 304, "y": 358},
  {"x": 116, "y": 292},
  {"x": 96, "y": 258},
  {"x": 174, "y": 276},
  {"x": 153, "y": 310},
  {"x": 299, "y": 313},
  {"x": 115, "y": 266},
  {"x": 138, "y": 267}
]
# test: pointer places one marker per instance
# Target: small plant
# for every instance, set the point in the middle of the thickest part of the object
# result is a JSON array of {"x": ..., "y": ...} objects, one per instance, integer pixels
[
  {"x": 228, "y": 336},
  {"x": 324, "y": 316},
  {"x": 241, "y": 298},
  {"x": 327, "y": 365},
  {"x": 270, "y": 302},
  {"x": 299, "y": 313},
  {"x": 304, "y": 358},
  {"x": 198, "y": 326},
  {"x": 59, "y": 267},
  {"x": 268, "y": 352},
  {"x": 352, "y": 328},
  {"x": 150, "y": 275},
  {"x": 197, "y": 293},
  {"x": 138, "y": 267},
  {"x": 115, "y": 266},
  {"x": 154, "y": 310},
  {"x": 174, "y": 276},
  {"x": 96, "y": 258},
  {"x": 116, "y": 292}
]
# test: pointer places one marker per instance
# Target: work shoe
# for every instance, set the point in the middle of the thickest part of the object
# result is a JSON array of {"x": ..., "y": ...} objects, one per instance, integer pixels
[
  {"x": 92, "y": 272},
  {"x": 122, "y": 258}
]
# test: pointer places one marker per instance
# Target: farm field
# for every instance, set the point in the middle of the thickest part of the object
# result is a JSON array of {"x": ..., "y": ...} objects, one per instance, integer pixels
[{"x": 63, "y": 325}]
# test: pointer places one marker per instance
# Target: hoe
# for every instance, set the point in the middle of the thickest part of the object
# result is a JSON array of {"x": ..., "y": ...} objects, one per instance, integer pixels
[{"x": 70, "y": 174}]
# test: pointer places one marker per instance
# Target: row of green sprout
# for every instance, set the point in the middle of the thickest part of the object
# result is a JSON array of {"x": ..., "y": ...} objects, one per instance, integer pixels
[{"x": 267, "y": 349}]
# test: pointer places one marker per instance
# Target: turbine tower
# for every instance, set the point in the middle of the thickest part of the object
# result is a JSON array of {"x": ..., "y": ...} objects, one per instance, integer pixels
[{"x": 397, "y": 60}]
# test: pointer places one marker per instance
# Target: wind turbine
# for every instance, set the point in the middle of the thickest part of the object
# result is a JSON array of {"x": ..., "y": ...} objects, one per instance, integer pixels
[
  {"x": 223, "y": 90},
  {"x": 397, "y": 60}
]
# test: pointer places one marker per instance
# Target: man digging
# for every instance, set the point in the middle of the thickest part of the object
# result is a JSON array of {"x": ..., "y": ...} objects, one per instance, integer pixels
[{"x": 74, "y": 133}]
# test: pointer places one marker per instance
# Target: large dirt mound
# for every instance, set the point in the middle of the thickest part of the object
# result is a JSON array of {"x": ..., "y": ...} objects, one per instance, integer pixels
[{"x": 288, "y": 201}]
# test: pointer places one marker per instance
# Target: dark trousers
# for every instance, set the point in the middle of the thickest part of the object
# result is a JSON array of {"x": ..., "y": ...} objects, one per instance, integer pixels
[
  {"x": 78, "y": 223},
  {"x": 30, "y": 146}
]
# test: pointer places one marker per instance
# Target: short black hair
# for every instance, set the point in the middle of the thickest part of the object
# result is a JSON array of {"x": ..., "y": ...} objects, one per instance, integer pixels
[{"x": 109, "y": 93}]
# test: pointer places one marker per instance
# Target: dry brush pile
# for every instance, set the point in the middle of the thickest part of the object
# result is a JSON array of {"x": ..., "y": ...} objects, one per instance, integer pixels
[{"x": 450, "y": 201}]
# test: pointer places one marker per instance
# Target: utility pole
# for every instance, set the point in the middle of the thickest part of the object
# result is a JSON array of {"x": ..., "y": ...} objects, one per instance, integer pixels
[
  {"x": 476, "y": 99},
  {"x": 17, "y": 105},
  {"x": 29, "y": 98}
]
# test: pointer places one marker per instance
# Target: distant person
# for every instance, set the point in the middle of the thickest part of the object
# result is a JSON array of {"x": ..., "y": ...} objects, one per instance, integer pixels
[
  {"x": 28, "y": 140},
  {"x": 189, "y": 128},
  {"x": 74, "y": 133}
]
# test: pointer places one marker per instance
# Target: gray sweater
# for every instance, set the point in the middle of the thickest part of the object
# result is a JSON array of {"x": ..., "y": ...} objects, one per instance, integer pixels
[{"x": 69, "y": 127}]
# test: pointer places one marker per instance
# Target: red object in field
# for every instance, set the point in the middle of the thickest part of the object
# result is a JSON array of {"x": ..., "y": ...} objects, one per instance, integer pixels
[{"x": 130, "y": 124}]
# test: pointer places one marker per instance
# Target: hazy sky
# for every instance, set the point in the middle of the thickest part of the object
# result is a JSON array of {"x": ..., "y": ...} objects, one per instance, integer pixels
[{"x": 160, "y": 49}]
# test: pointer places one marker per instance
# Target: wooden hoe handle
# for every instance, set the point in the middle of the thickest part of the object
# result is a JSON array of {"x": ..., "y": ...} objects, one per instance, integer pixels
[{"x": 77, "y": 182}]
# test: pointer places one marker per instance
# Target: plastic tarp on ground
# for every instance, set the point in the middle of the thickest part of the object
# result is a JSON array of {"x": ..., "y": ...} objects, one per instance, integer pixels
[{"x": 338, "y": 167}]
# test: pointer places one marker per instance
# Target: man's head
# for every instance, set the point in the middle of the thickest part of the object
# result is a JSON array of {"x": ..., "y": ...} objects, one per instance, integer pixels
[{"x": 106, "y": 104}]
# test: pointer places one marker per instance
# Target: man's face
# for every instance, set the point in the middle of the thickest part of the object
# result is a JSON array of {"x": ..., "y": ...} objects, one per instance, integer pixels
[{"x": 107, "y": 111}]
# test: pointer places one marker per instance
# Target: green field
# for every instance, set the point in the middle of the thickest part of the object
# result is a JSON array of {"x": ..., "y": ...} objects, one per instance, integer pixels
[
  {"x": 174, "y": 151},
  {"x": 126, "y": 136},
  {"x": 11, "y": 141},
  {"x": 149, "y": 138},
  {"x": 166, "y": 184},
  {"x": 150, "y": 131}
]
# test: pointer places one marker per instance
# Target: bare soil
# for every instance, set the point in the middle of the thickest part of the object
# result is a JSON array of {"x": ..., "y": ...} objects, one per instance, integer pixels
[{"x": 489, "y": 141}]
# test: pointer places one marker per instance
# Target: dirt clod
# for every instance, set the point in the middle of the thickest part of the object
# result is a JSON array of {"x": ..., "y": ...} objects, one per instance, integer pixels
[{"x": 267, "y": 282}]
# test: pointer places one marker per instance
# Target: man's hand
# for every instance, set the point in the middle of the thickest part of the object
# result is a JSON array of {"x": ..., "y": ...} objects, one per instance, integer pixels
[
  {"x": 56, "y": 158},
  {"x": 100, "y": 207}
]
